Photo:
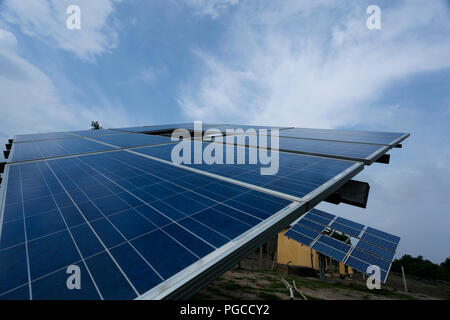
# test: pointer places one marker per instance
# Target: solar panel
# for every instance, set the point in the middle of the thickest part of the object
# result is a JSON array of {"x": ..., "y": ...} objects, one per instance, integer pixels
[
  {"x": 62, "y": 135},
  {"x": 299, "y": 237},
  {"x": 366, "y": 153},
  {"x": 379, "y": 242},
  {"x": 383, "y": 235},
  {"x": 76, "y": 211},
  {"x": 139, "y": 226},
  {"x": 380, "y": 252},
  {"x": 383, "y": 138},
  {"x": 370, "y": 250},
  {"x": 131, "y": 140},
  {"x": 298, "y": 175},
  {"x": 55, "y": 148},
  {"x": 41, "y": 136}
]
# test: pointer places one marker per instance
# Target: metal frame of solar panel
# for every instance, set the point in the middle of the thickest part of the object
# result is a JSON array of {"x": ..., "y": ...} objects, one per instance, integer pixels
[
  {"x": 371, "y": 248},
  {"x": 185, "y": 281}
]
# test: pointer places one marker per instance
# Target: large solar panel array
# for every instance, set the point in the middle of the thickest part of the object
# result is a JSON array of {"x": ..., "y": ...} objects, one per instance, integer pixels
[
  {"x": 373, "y": 247},
  {"x": 137, "y": 225}
]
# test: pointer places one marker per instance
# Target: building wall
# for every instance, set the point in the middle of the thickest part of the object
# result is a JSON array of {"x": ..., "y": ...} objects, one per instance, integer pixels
[{"x": 295, "y": 254}]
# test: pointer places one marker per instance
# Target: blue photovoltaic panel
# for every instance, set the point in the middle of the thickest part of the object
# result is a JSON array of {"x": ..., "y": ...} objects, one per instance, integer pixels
[
  {"x": 94, "y": 133},
  {"x": 344, "y": 150},
  {"x": 345, "y": 229},
  {"x": 311, "y": 225},
  {"x": 130, "y": 221},
  {"x": 371, "y": 259},
  {"x": 322, "y": 214},
  {"x": 42, "y": 136},
  {"x": 55, "y": 148},
  {"x": 383, "y": 235},
  {"x": 379, "y": 242},
  {"x": 305, "y": 231},
  {"x": 130, "y": 140},
  {"x": 297, "y": 176},
  {"x": 311, "y": 216},
  {"x": 370, "y": 250},
  {"x": 329, "y": 251},
  {"x": 357, "y": 226},
  {"x": 387, "y": 255},
  {"x": 299, "y": 237},
  {"x": 384, "y": 138},
  {"x": 337, "y": 244},
  {"x": 317, "y": 219},
  {"x": 362, "y": 267}
]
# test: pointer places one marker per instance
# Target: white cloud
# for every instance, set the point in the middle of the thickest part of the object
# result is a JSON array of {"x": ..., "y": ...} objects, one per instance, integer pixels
[
  {"x": 315, "y": 64},
  {"x": 276, "y": 68},
  {"x": 46, "y": 20},
  {"x": 211, "y": 8},
  {"x": 30, "y": 102}
]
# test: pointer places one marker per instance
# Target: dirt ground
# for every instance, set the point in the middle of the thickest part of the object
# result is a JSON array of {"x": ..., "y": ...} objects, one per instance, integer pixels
[{"x": 241, "y": 284}]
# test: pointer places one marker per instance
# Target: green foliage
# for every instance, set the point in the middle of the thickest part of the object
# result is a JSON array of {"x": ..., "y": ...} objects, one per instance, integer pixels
[
  {"x": 95, "y": 125},
  {"x": 419, "y": 267}
]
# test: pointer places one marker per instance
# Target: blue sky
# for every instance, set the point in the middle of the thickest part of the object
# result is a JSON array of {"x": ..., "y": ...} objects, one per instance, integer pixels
[{"x": 293, "y": 62}]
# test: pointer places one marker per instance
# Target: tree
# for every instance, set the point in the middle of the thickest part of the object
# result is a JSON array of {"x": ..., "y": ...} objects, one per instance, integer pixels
[{"x": 95, "y": 125}]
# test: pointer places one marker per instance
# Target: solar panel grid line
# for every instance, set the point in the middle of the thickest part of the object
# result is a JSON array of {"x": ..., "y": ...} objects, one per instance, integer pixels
[
  {"x": 222, "y": 178},
  {"x": 299, "y": 237},
  {"x": 390, "y": 246},
  {"x": 330, "y": 140},
  {"x": 383, "y": 235},
  {"x": 391, "y": 143},
  {"x": 368, "y": 159},
  {"x": 75, "y": 243},
  {"x": 173, "y": 221},
  {"x": 213, "y": 206},
  {"x": 95, "y": 233},
  {"x": 334, "y": 183},
  {"x": 201, "y": 266},
  {"x": 375, "y": 250},
  {"x": 128, "y": 241},
  {"x": 26, "y": 242},
  {"x": 328, "y": 186}
]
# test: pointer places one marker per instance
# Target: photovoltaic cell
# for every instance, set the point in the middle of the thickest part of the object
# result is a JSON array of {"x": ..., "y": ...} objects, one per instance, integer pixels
[
  {"x": 379, "y": 242},
  {"x": 384, "y": 138},
  {"x": 329, "y": 251},
  {"x": 380, "y": 252},
  {"x": 371, "y": 259},
  {"x": 130, "y": 140},
  {"x": 345, "y": 229},
  {"x": 122, "y": 217},
  {"x": 297, "y": 176},
  {"x": 383, "y": 235},
  {"x": 299, "y": 237},
  {"x": 357, "y": 226},
  {"x": 55, "y": 148},
  {"x": 363, "y": 267}
]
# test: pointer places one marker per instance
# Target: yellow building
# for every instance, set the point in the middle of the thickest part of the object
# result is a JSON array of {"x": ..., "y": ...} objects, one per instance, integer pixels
[{"x": 293, "y": 253}]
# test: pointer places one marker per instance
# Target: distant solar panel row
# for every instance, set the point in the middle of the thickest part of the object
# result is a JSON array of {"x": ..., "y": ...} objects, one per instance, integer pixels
[
  {"x": 62, "y": 135},
  {"x": 383, "y": 138},
  {"x": 128, "y": 222},
  {"x": 343, "y": 150},
  {"x": 370, "y": 249}
]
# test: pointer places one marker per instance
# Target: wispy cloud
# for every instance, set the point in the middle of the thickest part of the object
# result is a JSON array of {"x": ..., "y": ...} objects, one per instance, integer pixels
[
  {"x": 315, "y": 64},
  {"x": 210, "y": 8},
  {"x": 46, "y": 20},
  {"x": 31, "y": 103},
  {"x": 279, "y": 69}
]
